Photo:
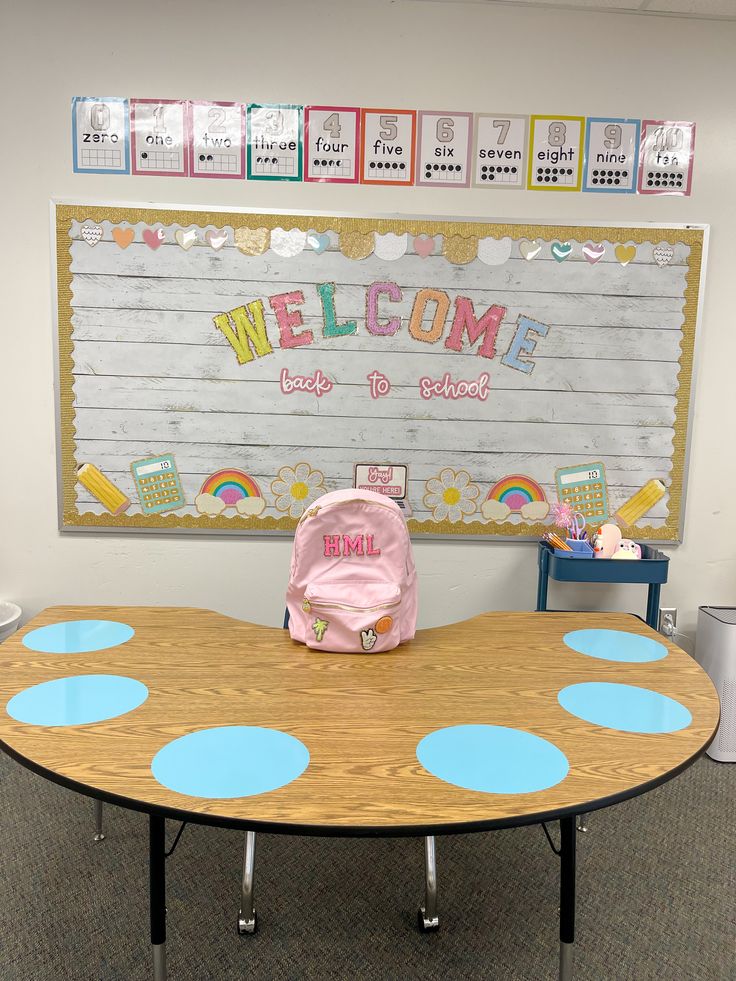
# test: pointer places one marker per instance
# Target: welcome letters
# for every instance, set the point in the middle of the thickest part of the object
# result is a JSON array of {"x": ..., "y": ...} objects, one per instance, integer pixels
[{"x": 246, "y": 329}]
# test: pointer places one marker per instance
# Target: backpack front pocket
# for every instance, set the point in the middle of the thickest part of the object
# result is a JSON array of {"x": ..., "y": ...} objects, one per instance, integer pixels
[{"x": 352, "y": 616}]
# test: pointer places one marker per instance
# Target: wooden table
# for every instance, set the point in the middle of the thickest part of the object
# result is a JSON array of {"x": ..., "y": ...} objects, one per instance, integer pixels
[{"x": 361, "y": 718}]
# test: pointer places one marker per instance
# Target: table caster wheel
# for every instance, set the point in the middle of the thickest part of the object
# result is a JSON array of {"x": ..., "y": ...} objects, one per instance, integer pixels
[
  {"x": 427, "y": 924},
  {"x": 99, "y": 836},
  {"x": 246, "y": 925}
]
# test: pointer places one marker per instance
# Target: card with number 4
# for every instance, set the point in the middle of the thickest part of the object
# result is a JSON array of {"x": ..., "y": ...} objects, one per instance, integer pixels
[{"x": 332, "y": 144}]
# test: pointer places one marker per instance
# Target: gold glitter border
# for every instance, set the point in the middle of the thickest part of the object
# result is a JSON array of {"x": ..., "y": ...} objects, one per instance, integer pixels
[{"x": 66, "y": 213}]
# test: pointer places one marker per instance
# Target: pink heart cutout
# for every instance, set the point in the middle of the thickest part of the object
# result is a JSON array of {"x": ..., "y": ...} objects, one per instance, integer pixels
[
  {"x": 216, "y": 239},
  {"x": 153, "y": 237},
  {"x": 594, "y": 251},
  {"x": 423, "y": 246}
]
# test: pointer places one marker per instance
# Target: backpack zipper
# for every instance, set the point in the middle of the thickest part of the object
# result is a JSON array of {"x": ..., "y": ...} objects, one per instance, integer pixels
[
  {"x": 352, "y": 609},
  {"x": 336, "y": 504}
]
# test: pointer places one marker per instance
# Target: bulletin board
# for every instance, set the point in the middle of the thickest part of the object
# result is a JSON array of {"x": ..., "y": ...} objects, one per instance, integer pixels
[{"x": 219, "y": 370}]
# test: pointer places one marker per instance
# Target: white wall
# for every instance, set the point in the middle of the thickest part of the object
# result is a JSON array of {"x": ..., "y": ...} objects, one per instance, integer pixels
[{"x": 430, "y": 55}]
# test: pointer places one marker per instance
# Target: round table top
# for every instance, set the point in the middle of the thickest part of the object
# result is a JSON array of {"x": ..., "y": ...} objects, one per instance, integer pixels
[{"x": 360, "y": 717}]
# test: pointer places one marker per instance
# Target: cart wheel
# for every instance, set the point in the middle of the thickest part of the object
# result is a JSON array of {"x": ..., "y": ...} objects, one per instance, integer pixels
[
  {"x": 427, "y": 925},
  {"x": 247, "y": 925}
]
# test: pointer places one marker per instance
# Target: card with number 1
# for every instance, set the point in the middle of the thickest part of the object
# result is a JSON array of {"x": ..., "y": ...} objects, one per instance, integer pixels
[
  {"x": 160, "y": 137},
  {"x": 332, "y": 144}
]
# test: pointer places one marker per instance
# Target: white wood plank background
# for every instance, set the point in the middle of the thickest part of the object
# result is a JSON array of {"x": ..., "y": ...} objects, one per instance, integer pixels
[{"x": 153, "y": 375}]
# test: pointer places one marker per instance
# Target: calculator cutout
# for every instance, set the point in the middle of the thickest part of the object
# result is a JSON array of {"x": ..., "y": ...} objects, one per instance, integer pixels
[
  {"x": 584, "y": 488},
  {"x": 158, "y": 484}
]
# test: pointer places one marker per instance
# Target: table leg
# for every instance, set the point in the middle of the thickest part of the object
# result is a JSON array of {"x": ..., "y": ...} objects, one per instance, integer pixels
[
  {"x": 428, "y": 918},
  {"x": 157, "y": 885},
  {"x": 567, "y": 896},
  {"x": 247, "y": 921},
  {"x": 99, "y": 835}
]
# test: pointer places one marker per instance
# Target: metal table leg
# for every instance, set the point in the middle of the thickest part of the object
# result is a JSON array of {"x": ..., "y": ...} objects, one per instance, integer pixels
[
  {"x": 428, "y": 918},
  {"x": 99, "y": 836},
  {"x": 567, "y": 896},
  {"x": 247, "y": 921},
  {"x": 157, "y": 892}
]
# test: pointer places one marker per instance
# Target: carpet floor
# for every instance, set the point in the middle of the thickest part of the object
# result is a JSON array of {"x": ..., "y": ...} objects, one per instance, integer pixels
[{"x": 656, "y": 896}]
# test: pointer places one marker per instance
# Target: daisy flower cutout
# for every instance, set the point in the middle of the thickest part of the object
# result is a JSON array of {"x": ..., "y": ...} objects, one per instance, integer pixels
[
  {"x": 451, "y": 494},
  {"x": 296, "y": 487}
]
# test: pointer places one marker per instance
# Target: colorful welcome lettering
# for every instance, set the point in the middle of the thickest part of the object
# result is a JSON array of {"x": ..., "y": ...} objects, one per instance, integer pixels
[{"x": 245, "y": 326}]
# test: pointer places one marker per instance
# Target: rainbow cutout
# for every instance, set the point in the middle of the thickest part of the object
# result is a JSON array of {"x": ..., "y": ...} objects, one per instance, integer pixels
[
  {"x": 231, "y": 486},
  {"x": 515, "y": 491}
]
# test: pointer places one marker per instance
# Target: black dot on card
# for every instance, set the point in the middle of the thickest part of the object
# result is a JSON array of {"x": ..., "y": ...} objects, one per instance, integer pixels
[
  {"x": 443, "y": 167},
  {"x": 505, "y": 170},
  {"x": 650, "y": 174},
  {"x": 657, "y": 183},
  {"x": 402, "y": 166},
  {"x": 616, "y": 180},
  {"x": 617, "y": 173},
  {"x": 144, "y": 156},
  {"x": 316, "y": 163},
  {"x": 546, "y": 170},
  {"x": 373, "y": 164},
  {"x": 324, "y": 163},
  {"x": 649, "y": 183},
  {"x": 609, "y": 180},
  {"x": 513, "y": 170},
  {"x": 201, "y": 156},
  {"x": 483, "y": 170},
  {"x": 624, "y": 173},
  {"x": 379, "y": 165},
  {"x": 492, "y": 177},
  {"x": 554, "y": 179},
  {"x": 274, "y": 160},
  {"x": 570, "y": 171},
  {"x": 595, "y": 173},
  {"x": 595, "y": 180},
  {"x": 539, "y": 170},
  {"x": 436, "y": 167}
]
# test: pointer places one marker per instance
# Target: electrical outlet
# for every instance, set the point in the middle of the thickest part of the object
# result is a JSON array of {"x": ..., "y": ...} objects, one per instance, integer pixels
[{"x": 667, "y": 622}]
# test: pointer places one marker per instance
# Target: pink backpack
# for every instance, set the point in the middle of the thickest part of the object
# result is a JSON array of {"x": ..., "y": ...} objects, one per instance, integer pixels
[{"x": 352, "y": 585}]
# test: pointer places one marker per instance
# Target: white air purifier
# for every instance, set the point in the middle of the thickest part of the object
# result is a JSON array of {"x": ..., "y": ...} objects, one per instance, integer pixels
[{"x": 715, "y": 651}]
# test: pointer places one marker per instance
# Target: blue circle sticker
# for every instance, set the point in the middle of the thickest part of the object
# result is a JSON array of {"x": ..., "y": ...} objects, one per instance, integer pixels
[
  {"x": 624, "y": 707},
  {"x": 77, "y": 636},
  {"x": 492, "y": 759},
  {"x": 615, "y": 645},
  {"x": 78, "y": 700},
  {"x": 230, "y": 761}
]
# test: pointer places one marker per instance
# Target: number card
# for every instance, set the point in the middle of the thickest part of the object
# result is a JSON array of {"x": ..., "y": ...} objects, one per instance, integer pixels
[
  {"x": 666, "y": 157},
  {"x": 100, "y": 135},
  {"x": 556, "y": 157},
  {"x": 389, "y": 138},
  {"x": 160, "y": 137},
  {"x": 444, "y": 149},
  {"x": 499, "y": 152},
  {"x": 332, "y": 136},
  {"x": 611, "y": 155},
  {"x": 275, "y": 142},
  {"x": 217, "y": 139}
]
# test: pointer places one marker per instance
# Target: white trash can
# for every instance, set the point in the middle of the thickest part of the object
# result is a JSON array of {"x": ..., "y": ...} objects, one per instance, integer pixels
[{"x": 10, "y": 614}]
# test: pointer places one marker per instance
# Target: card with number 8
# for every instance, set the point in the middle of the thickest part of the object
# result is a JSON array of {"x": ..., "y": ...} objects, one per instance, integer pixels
[{"x": 556, "y": 155}]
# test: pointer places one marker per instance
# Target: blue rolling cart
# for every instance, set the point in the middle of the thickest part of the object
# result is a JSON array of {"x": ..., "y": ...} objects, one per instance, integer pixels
[{"x": 651, "y": 569}]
